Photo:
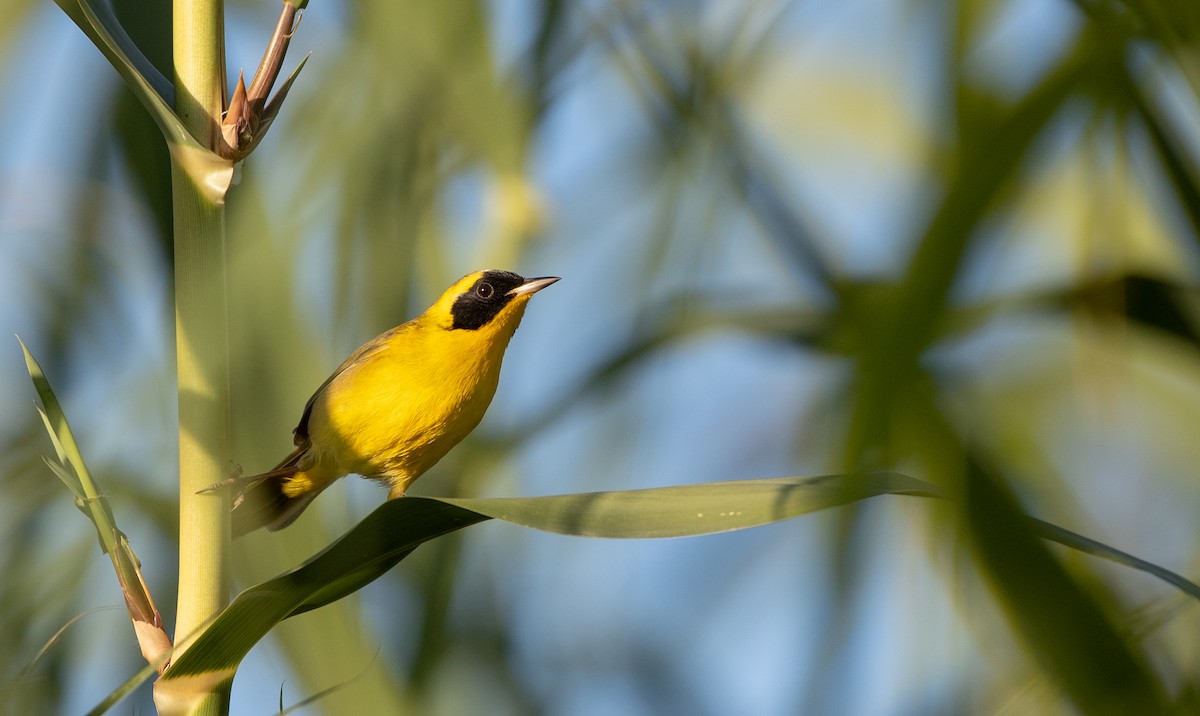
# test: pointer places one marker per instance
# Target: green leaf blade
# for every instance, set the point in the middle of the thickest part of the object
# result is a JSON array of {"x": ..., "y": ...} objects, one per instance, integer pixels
[
  {"x": 91, "y": 502},
  {"x": 1061, "y": 622},
  {"x": 397, "y": 527},
  {"x": 371, "y": 548},
  {"x": 59, "y": 430},
  {"x": 152, "y": 89},
  {"x": 689, "y": 510}
]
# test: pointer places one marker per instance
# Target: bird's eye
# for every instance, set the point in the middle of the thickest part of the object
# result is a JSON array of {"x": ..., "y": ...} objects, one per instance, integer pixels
[{"x": 484, "y": 290}]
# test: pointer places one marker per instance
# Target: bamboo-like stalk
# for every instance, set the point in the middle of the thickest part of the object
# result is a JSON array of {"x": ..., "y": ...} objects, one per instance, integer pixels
[
  {"x": 201, "y": 329},
  {"x": 199, "y": 46}
]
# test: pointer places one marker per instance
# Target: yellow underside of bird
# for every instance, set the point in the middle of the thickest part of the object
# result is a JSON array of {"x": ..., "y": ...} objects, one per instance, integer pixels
[
  {"x": 355, "y": 425},
  {"x": 399, "y": 403}
]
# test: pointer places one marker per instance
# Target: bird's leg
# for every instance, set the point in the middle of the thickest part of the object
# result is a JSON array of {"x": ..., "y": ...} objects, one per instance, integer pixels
[{"x": 227, "y": 482}]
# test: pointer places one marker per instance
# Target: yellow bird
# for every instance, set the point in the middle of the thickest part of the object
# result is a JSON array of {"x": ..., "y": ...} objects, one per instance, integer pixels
[{"x": 399, "y": 403}]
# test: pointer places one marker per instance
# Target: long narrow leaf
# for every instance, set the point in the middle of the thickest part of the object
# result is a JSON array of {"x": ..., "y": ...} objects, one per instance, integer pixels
[
  {"x": 147, "y": 623},
  {"x": 130, "y": 685},
  {"x": 397, "y": 527},
  {"x": 210, "y": 172},
  {"x": 1060, "y": 621},
  {"x": 155, "y": 92},
  {"x": 1087, "y": 545},
  {"x": 81, "y": 483},
  {"x": 690, "y": 510}
]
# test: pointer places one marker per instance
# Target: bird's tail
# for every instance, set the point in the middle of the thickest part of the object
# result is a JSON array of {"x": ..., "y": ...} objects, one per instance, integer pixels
[{"x": 261, "y": 500}]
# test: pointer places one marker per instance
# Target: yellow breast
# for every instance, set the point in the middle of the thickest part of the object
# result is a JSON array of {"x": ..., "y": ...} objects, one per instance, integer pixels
[{"x": 401, "y": 409}]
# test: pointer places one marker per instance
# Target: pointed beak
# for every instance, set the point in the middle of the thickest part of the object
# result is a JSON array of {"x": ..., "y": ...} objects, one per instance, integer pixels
[{"x": 532, "y": 285}]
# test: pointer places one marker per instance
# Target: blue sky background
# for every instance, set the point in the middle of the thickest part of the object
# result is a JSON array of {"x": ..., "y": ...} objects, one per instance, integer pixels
[{"x": 846, "y": 105}]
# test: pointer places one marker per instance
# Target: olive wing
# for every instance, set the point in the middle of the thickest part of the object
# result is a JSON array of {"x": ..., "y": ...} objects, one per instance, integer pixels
[{"x": 365, "y": 352}]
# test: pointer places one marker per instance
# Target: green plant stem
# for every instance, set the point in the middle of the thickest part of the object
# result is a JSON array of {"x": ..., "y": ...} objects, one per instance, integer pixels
[
  {"x": 199, "y": 54},
  {"x": 202, "y": 350},
  {"x": 201, "y": 336}
]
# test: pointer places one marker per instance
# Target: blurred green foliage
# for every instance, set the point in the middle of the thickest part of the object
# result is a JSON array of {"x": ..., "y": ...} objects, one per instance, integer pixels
[{"x": 953, "y": 239}]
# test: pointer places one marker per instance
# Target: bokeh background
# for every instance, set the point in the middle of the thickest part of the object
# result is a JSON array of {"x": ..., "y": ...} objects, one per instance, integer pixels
[{"x": 957, "y": 239}]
